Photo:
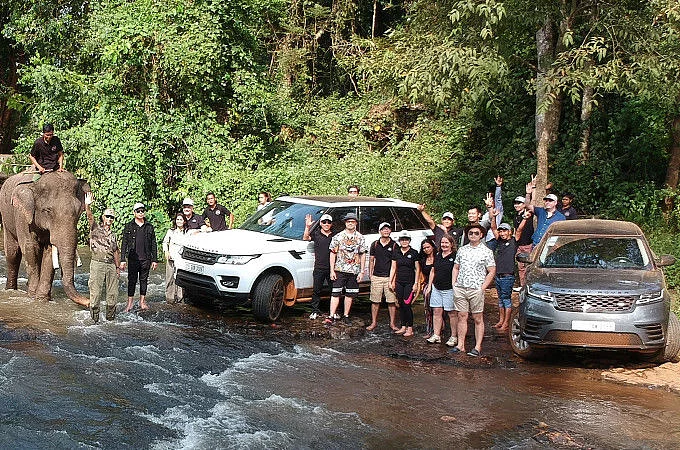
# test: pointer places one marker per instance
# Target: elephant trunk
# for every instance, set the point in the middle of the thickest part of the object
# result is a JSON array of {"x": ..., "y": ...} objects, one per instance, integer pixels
[{"x": 67, "y": 261}]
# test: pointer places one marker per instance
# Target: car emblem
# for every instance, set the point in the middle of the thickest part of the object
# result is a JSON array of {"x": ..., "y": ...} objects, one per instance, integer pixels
[{"x": 585, "y": 307}]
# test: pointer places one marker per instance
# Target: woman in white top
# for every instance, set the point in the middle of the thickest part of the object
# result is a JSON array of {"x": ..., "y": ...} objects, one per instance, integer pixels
[{"x": 171, "y": 244}]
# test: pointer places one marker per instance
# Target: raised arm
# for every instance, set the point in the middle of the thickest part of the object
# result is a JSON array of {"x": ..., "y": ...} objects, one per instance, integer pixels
[
  {"x": 308, "y": 225},
  {"x": 531, "y": 186},
  {"x": 88, "y": 210},
  {"x": 520, "y": 227},
  {"x": 494, "y": 226},
  {"x": 430, "y": 221}
]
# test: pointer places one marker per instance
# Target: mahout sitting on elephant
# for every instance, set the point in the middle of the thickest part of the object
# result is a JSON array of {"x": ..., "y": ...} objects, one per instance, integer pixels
[{"x": 37, "y": 215}]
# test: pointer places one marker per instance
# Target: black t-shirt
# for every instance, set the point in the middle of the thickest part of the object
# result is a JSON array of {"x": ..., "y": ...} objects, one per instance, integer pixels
[
  {"x": 569, "y": 213},
  {"x": 196, "y": 222},
  {"x": 322, "y": 251},
  {"x": 443, "y": 271},
  {"x": 140, "y": 247},
  {"x": 218, "y": 217},
  {"x": 406, "y": 265},
  {"x": 527, "y": 231},
  {"x": 383, "y": 257},
  {"x": 424, "y": 267},
  {"x": 505, "y": 256},
  {"x": 457, "y": 234},
  {"x": 47, "y": 155}
]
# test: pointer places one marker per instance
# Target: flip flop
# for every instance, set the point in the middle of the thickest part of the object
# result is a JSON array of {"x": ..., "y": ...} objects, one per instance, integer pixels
[
  {"x": 455, "y": 350},
  {"x": 474, "y": 352}
]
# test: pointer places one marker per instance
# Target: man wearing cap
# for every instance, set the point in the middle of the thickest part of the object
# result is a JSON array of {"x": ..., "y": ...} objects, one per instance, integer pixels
[
  {"x": 195, "y": 222},
  {"x": 544, "y": 216},
  {"x": 348, "y": 261},
  {"x": 322, "y": 236},
  {"x": 524, "y": 243},
  {"x": 379, "y": 266},
  {"x": 217, "y": 215},
  {"x": 446, "y": 227},
  {"x": 104, "y": 270},
  {"x": 141, "y": 252},
  {"x": 473, "y": 271}
]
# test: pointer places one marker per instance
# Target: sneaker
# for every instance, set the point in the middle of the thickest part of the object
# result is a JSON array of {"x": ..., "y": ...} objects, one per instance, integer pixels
[
  {"x": 434, "y": 339},
  {"x": 336, "y": 316},
  {"x": 517, "y": 289},
  {"x": 452, "y": 342},
  {"x": 346, "y": 320},
  {"x": 313, "y": 316}
]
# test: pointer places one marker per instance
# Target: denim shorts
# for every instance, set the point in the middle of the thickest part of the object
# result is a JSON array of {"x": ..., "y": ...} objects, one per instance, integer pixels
[
  {"x": 504, "y": 288},
  {"x": 442, "y": 299}
]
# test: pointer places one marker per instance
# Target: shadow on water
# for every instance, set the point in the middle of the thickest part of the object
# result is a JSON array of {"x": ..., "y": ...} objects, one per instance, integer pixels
[{"x": 178, "y": 376}]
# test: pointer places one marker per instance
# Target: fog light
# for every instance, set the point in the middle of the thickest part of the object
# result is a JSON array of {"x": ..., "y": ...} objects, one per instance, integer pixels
[{"x": 229, "y": 282}]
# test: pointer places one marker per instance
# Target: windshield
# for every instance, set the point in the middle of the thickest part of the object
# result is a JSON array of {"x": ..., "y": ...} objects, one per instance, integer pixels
[
  {"x": 283, "y": 219},
  {"x": 594, "y": 252}
]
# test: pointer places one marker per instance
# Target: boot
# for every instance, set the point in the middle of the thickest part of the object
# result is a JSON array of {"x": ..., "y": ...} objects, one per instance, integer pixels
[
  {"x": 94, "y": 312},
  {"x": 110, "y": 312}
]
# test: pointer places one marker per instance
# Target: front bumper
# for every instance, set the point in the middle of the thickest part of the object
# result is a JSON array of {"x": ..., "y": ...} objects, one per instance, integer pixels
[{"x": 205, "y": 286}]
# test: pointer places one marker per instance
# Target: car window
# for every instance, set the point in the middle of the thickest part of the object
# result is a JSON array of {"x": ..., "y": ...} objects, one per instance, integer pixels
[
  {"x": 337, "y": 214},
  {"x": 410, "y": 219},
  {"x": 372, "y": 216},
  {"x": 282, "y": 219},
  {"x": 594, "y": 252}
]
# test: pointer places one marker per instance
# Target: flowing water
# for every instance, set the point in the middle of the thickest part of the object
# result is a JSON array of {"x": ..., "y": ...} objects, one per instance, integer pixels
[{"x": 178, "y": 376}]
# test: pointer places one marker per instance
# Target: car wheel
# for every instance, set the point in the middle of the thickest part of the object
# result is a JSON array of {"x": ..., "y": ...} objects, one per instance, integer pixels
[
  {"x": 268, "y": 297},
  {"x": 521, "y": 347},
  {"x": 670, "y": 352}
]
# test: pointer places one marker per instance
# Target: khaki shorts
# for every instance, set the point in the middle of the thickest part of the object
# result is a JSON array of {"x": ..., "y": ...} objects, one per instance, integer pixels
[
  {"x": 380, "y": 286},
  {"x": 468, "y": 299}
]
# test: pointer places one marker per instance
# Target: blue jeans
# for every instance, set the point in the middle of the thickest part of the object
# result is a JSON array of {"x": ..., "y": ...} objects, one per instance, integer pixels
[{"x": 504, "y": 285}]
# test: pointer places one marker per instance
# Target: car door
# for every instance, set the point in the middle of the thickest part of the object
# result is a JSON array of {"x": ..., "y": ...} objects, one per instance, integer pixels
[{"x": 411, "y": 220}]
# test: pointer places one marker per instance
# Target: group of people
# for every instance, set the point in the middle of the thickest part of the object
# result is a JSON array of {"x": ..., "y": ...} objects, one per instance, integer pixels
[{"x": 452, "y": 269}]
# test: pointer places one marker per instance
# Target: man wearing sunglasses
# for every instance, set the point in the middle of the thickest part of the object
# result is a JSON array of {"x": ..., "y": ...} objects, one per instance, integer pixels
[
  {"x": 140, "y": 249},
  {"x": 104, "y": 268},
  {"x": 322, "y": 236},
  {"x": 544, "y": 216}
]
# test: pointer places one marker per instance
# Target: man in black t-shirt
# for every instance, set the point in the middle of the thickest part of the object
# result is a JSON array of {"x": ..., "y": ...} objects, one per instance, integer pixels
[
  {"x": 446, "y": 227},
  {"x": 380, "y": 264},
  {"x": 47, "y": 153},
  {"x": 567, "y": 207},
  {"x": 322, "y": 237},
  {"x": 217, "y": 215},
  {"x": 195, "y": 222}
]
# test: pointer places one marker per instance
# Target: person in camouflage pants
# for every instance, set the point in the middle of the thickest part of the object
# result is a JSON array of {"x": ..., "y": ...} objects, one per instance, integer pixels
[{"x": 104, "y": 268}]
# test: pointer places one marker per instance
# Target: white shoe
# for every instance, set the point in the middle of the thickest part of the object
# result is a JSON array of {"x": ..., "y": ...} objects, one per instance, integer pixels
[
  {"x": 336, "y": 316},
  {"x": 452, "y": 342},
  {"x": 313, "y": 316},
  {"x": 434, "y": 339}
]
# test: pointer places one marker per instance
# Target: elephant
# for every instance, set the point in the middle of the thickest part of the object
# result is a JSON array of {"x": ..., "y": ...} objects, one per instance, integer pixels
[{"x": 37, "y": 215}]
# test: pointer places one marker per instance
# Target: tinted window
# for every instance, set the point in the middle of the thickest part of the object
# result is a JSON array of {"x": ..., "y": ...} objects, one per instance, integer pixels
[
  {"x": 372, "y": 216},
  {"x": 283, "y": 219},
  {"x": 598, "y": 252},
  {"x": 337, "y": 214},
  {"x": 410, "y": 219}
]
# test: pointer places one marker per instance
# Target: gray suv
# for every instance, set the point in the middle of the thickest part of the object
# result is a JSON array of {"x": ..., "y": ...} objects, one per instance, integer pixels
[{"x": 595, "y": 284}]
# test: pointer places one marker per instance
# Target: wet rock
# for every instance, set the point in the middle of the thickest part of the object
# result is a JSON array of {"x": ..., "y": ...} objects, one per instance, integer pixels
[
  {"x": 447, "y": 419},
  {"x": 664, "y": 376}
]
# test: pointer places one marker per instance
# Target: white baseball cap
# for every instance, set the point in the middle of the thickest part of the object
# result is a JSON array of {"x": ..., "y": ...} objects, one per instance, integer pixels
[
  {"x": 137, "y": 206},
  {"x": 520, "y": 199},
  {"x": 326, "y": 217},
  {"x": 448, "y": 215},
  {"x": 188, "y": 201},
  {"x": 383, "y": 225}
]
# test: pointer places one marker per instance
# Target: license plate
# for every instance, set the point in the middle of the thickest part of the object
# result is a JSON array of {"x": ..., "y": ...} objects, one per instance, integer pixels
[
  {"x": 592, "y": 325},
  {"x": 196, "y": 268}
]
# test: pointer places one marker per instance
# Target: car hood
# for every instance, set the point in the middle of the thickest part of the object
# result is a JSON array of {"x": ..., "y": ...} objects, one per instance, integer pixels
[
  {"x": 242, "y": 242},
  {"x": 598, "y": 280}
]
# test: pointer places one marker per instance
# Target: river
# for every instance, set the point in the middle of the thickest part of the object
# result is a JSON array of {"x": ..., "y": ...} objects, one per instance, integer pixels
[{"x": 179, "y": 376}]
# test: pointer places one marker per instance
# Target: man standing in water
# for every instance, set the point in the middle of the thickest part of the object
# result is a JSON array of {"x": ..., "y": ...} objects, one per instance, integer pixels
[
  {"x": 104, "y": 268},
  {"x": 140, "y": 248},
  {"x": 47, "y": 153},
  {"x": 322, "y": 237},
  {"x": 379, "y": 266},
  {"x": 348, "y": 260}
]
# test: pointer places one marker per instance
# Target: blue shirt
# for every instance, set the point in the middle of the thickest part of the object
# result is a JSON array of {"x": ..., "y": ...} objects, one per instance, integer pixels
[{"x": 543, "y": 222}]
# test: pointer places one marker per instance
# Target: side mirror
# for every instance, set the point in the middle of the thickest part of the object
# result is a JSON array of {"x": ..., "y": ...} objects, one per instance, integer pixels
[
  {"x": 665, "y": 260},
  {"x": 524, "y": 258}
]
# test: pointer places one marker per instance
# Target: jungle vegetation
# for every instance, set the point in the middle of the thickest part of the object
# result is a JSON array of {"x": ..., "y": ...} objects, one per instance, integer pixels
[{"x": 425, "y": 100}]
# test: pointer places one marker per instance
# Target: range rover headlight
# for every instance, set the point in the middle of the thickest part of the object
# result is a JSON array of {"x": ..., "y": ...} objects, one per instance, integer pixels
[
  {"x": 540, "y": 294},
  {"x": 652, "y": 297},
  {"x": 235, "y": 259}
]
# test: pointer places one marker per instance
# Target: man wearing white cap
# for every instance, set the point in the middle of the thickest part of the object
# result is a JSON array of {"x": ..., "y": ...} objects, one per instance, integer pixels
[
  {"x": 104, "y": 271},
  {"x": 544, "y": 216},
  {"x": 379, "y": 267},
  {"x": 446, "y": 227},
  {"x": 322, "y": 236},
  {"x": 195, "y": 222},
  {"x": 141, "y": 252}
]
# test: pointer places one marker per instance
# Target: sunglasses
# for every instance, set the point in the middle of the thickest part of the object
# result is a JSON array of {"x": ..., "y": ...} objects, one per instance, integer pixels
[
  {"x": 474, "y": 233},
  {"x": 109, "y": 216},
  {"x": 326, "y": 221},
  {"x": 140, "y": 210}
]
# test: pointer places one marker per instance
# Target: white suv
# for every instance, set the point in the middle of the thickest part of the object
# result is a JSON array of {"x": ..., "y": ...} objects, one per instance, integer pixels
[{"x": 267, "y": 262}]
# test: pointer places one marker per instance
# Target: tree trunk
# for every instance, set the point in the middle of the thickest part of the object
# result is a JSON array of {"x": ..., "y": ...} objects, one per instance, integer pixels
[
  {"x": 8, "y": 116},
  {"x": 673, "y": 171},
  {"x": 586, "y": 113},
  {"x": 375, "y": 18}
]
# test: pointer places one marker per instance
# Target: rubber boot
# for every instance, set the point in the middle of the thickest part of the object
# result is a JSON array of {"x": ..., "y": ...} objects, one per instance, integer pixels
[
  {"x": 110, "y": 312},
  {"x": 94, "y": 312}
]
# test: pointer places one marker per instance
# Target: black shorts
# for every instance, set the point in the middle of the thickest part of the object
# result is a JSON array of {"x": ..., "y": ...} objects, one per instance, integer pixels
[{"x": 348, "y": 282}]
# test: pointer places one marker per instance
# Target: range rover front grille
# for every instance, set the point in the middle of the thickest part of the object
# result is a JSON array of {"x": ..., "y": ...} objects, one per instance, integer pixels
[
  {"x": 199, "y": 256},
  {"x": 594, "y": 303}
]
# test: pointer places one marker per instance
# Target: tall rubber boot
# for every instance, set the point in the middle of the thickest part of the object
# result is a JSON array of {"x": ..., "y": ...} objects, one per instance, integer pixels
[
  {"x": 110, "y": 312},
  {"x": 94, "y": 312}
]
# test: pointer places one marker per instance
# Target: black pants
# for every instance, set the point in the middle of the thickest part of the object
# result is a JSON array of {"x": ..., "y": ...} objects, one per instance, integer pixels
[
  {"x": 320, "y": 275},
  {"x": 138, "y": 269},
  {"x": 402, "y": 291}
]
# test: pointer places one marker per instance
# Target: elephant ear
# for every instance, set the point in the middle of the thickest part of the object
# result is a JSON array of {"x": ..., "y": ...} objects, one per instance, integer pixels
[
  {"x": 82, "y": 187},
  {"x": 24, "y": 201}
]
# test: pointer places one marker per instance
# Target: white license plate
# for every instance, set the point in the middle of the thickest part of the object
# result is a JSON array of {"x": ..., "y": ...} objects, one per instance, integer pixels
[
  {"x": 592, "y": 325},
  {"x": 196, "y": 268}
]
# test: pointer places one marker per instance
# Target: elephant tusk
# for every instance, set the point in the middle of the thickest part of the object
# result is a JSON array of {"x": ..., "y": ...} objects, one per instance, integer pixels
[{"x": 55, "y": 257}]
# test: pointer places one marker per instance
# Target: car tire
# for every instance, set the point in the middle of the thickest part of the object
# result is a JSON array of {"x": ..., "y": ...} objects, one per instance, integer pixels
[
  {"x": 268, "y": 297},
  {"x": 672, "y": 348},
  {"x": 521, "y": 347}
]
